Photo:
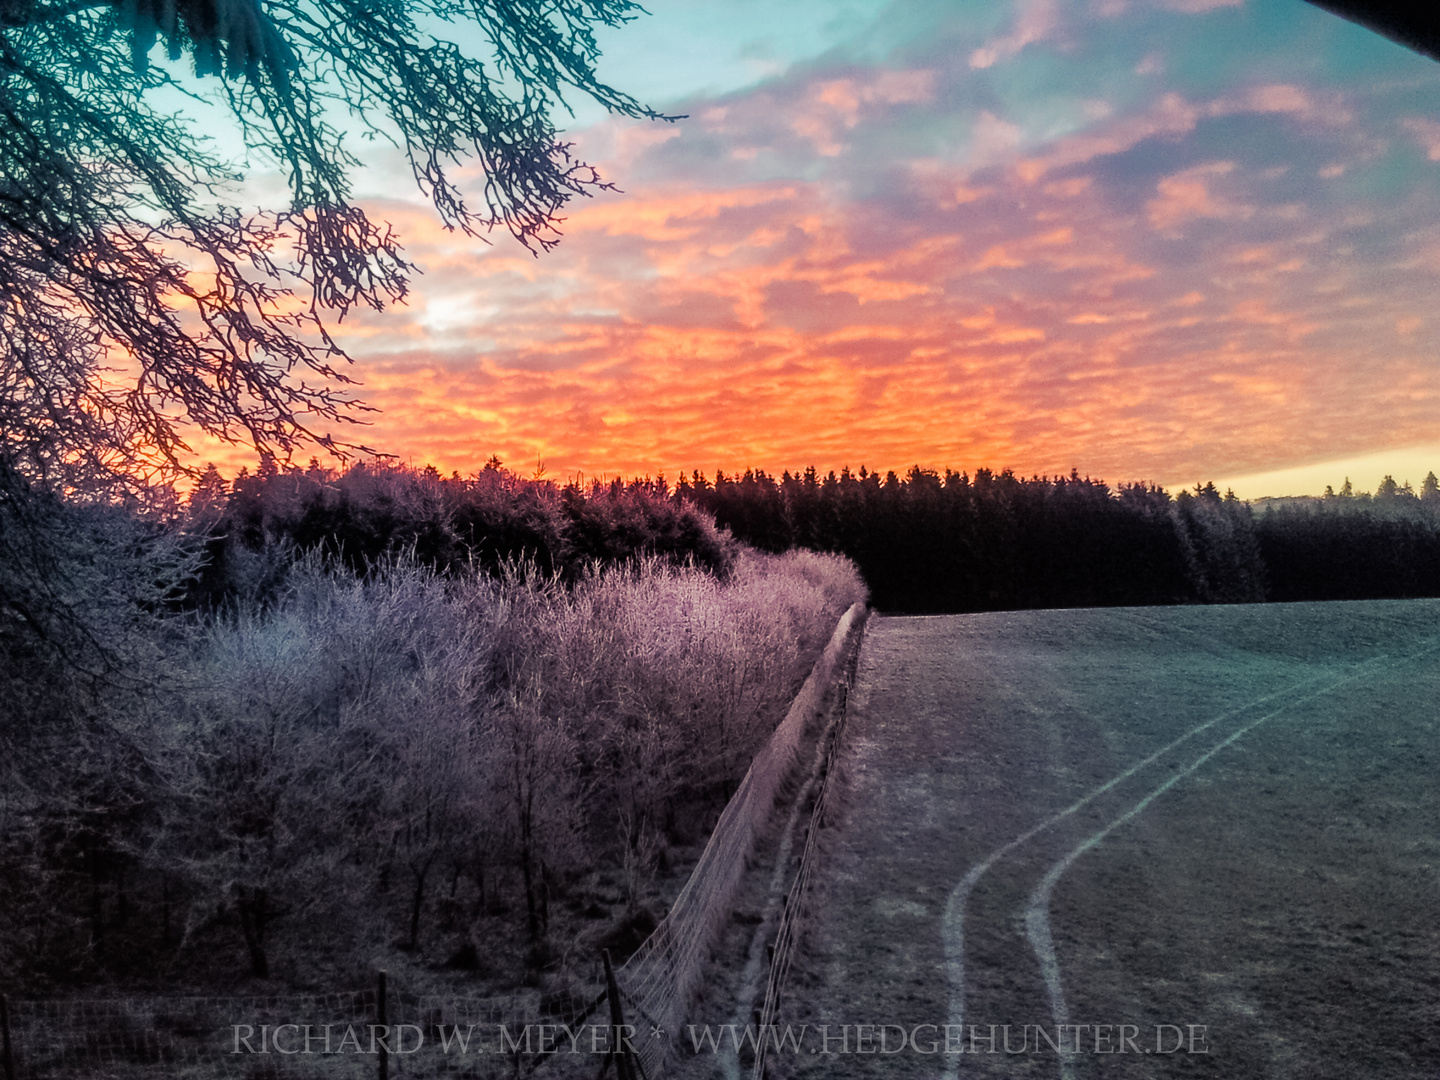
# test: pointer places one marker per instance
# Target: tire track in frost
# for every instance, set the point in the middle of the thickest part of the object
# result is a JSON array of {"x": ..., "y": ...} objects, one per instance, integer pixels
[
  {"x": 1037, "y": 912},
  {"x": 953, "y": 921}
]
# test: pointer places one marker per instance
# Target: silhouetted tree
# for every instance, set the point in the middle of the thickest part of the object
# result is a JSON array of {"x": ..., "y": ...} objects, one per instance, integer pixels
[{"x": 116, "y": 237}]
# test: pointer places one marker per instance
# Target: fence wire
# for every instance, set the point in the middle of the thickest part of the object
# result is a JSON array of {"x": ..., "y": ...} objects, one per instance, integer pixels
[
  {"x": 788, "y": 934},
  {"x": 660, "y": 979}
]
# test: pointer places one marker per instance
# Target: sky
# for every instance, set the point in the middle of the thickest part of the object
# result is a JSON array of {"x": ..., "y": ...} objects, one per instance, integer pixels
[{"x": 1168, "y": 241}]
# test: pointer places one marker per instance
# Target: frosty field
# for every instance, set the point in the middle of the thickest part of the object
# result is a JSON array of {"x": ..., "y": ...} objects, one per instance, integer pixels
[{"x": 1198, "y": 841}]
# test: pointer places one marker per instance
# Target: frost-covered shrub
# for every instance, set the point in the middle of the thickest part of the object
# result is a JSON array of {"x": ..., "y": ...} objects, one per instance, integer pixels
[{"x": 355, "y": 762}]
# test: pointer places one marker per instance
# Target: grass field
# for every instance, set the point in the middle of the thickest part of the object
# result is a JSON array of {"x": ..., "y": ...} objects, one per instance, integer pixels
[{"x": 1211, "y": 828}]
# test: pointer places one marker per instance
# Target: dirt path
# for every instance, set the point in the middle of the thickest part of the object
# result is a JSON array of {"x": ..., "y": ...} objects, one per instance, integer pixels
[{"x": 1211, "y": 836}]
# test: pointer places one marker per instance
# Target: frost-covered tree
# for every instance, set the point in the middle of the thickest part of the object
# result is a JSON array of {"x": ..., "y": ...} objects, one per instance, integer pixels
[
  {"x": 1430, "y": 488},
  {"x": 135, "y": 297}
]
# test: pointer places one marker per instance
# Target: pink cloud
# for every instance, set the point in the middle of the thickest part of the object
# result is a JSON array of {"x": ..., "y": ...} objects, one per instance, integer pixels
[
  {"x": 1037, "y": 20},
  {"x": 1172, "y": 116},
  {"x": 1200, "y": 7},
  {"x": 1190, "y": 194},
  {"x": 836, "y": 104},
  {"x": 1426, "y": 133}
]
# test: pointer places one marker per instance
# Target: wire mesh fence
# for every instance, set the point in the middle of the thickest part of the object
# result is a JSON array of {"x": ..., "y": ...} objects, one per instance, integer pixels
[
  {"x": 660, "y": 979},
  {"x": 788, "y": 933}
]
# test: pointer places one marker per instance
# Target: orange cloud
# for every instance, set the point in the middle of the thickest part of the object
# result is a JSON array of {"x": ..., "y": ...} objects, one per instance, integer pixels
[
  {"x": 775, "y": 326},
  {"x": 822, "y": 271}
]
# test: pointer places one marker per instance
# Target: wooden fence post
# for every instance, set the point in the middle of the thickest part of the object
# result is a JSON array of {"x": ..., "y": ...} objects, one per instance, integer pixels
[
  {"x": 9, "y": 1056},
  {"x": 384, "y": 1062},
  {"x": 624, "y": 1067}
]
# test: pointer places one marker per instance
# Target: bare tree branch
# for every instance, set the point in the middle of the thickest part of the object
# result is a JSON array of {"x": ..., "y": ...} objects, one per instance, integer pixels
[{"x": 134, "y": 302}]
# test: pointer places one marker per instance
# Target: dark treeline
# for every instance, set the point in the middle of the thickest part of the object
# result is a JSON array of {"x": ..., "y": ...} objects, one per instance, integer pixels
[
  {"x": 495, "y": 517},
  {"x": 1354, "y": 547},
  {"x": 925, "y": 542},
  {"x": 930, "y": 542}
]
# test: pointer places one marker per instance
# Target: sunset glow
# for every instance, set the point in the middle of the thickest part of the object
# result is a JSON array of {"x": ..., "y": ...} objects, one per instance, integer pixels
[{"x": 1172, "y": 241}]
